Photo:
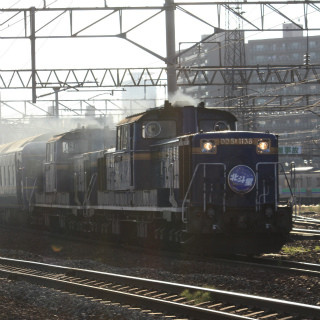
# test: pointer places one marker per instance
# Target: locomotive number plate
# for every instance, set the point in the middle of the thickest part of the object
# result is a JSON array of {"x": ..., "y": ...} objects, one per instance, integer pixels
[{"x": 236, "y": 141}]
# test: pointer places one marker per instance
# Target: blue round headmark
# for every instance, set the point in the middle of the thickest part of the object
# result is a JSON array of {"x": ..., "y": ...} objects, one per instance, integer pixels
[{"x": 241, "y": 179}]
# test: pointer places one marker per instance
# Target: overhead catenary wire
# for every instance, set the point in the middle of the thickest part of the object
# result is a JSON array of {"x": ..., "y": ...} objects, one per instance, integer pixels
[
  {"x": 56, "y": 1},
  {"x": 194, "y": 58}
]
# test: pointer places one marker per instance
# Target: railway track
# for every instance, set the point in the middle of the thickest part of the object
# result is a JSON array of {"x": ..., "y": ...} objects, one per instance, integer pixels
[
  {"x": 306, "y": 221},
  {"x": 156, "y": 295},
  {"x": 306, "y": 227},
  {"x": 297, "y": 267},
  {"x": 306, "y": 233}
]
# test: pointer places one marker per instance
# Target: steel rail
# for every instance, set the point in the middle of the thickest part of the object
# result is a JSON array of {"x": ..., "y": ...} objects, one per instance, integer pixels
[
  {"x": 311, "y": 222},
  {"x": 307, "y": 223},
  {"x": 309, "y": 231},
  {"x": 124, "y": 297},
  {"x": 65, "y": 278},
  {"x": 311, "y": 269}
]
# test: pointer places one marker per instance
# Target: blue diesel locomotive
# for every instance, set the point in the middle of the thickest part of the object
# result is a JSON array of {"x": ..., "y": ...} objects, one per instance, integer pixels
[{"x": 177, "y": 175}]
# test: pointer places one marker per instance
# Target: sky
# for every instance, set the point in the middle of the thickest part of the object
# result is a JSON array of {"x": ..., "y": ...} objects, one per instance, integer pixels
[{"x": 112, "y": 52}]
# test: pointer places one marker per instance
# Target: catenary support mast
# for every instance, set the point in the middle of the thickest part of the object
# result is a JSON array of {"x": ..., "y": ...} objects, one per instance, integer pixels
[
  {"x": 33, "y": 53},
  {"x": 171, "y": 49}
]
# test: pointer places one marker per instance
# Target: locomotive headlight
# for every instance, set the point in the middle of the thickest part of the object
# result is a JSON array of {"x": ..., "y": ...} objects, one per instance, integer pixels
[
  {"x": 263, "y": 146},
  {"x": 208, "y": 146}
]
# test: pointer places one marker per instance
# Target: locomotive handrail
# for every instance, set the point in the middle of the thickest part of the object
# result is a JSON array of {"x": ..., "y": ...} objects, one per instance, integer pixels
[
  {"x": 293, "y": 180},
  {"x": 275, "y": 164},
  {"x": 90, "y": 188},
  {"x": 172, "y": 200},
  {"x": 32, "y": 192},
  {"x": 265, "y": 193},
  {"x": 183, "y": 218},
  {"x": 75, "y": 186}
]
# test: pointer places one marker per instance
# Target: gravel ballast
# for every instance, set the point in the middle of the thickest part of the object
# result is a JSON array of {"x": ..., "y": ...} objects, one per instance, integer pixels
[{"x": 20, "y": 300}]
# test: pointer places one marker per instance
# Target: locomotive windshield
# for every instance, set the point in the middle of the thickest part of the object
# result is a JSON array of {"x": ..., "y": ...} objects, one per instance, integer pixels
[
  {"x": 159, "y": 129},
  {"x": 213, "y": 125},
  {"x": 69, "y": 147}
]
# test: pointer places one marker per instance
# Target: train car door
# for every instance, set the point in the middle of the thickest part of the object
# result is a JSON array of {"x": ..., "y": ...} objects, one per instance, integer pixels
[
  {"x": 131, "y": 138},
  {"x": 50, "y": 168},
  {"x": 122, "y": 159}
]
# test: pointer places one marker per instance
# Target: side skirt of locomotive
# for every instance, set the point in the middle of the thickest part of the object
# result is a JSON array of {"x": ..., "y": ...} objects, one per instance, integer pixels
[{"x": 154, "y": 227}]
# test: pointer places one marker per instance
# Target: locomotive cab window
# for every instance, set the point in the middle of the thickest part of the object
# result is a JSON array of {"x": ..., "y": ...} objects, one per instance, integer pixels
[
  {"x": 51, "y": 150},
  {"x": 3, "y": 183},
  {"x": 70, "y": 147},
  {"x": 159, "y": 129},
  {"x": 213, "y": 125},
  {"x": 122, "y": 137}
]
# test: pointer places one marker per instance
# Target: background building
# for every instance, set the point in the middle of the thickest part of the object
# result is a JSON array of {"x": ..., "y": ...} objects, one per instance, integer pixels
[
  {"x": 138, "y": 99},
  {"x": 297, "y": 124}
]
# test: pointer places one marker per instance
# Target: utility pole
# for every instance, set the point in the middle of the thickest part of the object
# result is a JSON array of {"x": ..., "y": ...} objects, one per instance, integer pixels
[
  {"x": 234, "y": 55},
  {"x": 171, "y": 48},
  {"x": 56, "y": 106},
  {"x": 33, "y": 53}
]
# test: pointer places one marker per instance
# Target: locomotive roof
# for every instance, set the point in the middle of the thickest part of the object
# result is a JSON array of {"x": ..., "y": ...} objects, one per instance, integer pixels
[
  {"x": 70, "y": 134},
  {"x": 19, "y": 144},
  {"x": 136, "y": 117},
  {"x": 131, "y": 119},
  {"x": 58, "y": 136}
]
